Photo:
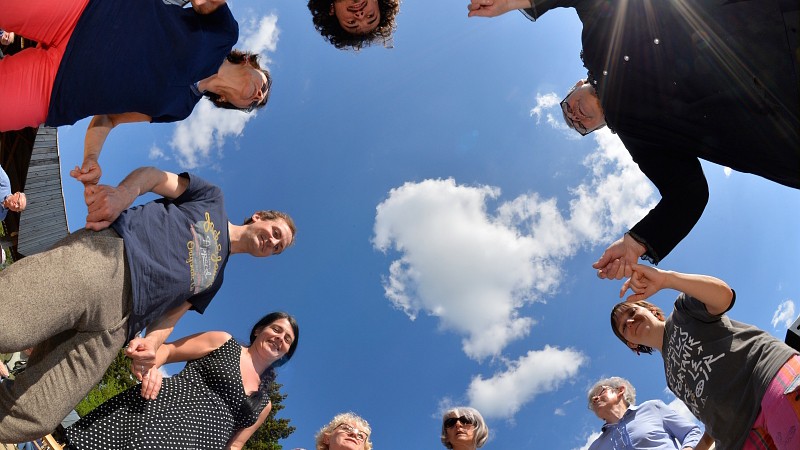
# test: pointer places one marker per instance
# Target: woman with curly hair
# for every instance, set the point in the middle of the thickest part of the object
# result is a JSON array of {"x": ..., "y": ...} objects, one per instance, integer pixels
[
  {"x": 353, "y": 24},
  {"x": 347, "y": 431}
]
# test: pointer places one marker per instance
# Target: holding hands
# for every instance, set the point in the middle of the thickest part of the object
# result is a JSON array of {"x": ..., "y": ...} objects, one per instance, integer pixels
[
  {"x": 105, "y": 204},
  {"x": 643, "y": 283},
  {"x": 494, "y": 8},
  {"x": 142, "y": 353}
]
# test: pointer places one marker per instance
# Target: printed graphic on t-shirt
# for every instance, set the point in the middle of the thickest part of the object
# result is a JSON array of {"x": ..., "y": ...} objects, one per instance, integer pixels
[
  {"x": 688, "y": 368},
  {"x": 204, "y": 254}
]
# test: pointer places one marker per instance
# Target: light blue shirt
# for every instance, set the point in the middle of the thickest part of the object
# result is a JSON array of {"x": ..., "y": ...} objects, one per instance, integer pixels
[
  {"x": 5, "y": 191},
  {"x": 653, "y": 426}
]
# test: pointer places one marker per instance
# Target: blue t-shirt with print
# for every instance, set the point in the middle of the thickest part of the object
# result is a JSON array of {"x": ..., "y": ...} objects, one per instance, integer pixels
[{"x": 176, "y": 250}]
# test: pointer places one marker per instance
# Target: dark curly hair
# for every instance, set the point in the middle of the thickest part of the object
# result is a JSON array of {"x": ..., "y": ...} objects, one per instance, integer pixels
[
  {"x": 328, "y": 25},
  {"x": 240, "y": 57}
]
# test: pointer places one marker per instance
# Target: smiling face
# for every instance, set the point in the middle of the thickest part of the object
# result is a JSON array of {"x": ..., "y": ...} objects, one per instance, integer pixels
[
  {"x": 582, "y": 109},
  {"x": 274, "y": 340},
  {"x": 347, "y": 436},
  {"x": 357, "y": 16},
  {"x": 242, "y": 85},
  {"x": 267, "y": 237}
]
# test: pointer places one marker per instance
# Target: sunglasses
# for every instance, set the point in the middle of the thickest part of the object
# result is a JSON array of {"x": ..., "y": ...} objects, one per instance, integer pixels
[
  {"x": 566, "y": 109},
  {"x": 451, "y": 421}
]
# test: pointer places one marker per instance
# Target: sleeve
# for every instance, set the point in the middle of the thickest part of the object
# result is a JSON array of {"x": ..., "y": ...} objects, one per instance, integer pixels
[
  {"x": 683, "y": 187},
  {"x": 5, "y": 191},
  {"x": 198, "y": 190},
  {"x": 539, "y": 7},
  {"x": 696, "y": 309},
  {"x": 684, "y": 430}
]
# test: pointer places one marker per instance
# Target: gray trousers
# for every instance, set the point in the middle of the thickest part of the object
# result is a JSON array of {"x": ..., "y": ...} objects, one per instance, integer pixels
[{"x": 70, "y": 303}]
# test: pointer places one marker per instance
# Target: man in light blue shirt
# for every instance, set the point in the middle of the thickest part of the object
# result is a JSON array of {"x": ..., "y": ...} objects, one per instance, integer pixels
[
  {"x": 651, "y": 425},
  {"x": 13, "y": 202}
]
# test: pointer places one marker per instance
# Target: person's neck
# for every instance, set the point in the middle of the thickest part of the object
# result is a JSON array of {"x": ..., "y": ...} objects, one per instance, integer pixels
[
  {"x": 260, "y": 364},
  {"x": 656, "y": 339},
  {"x": 615, "y": 413},
  {"x": 235, "y": 233},
  {"x": 463, "y": 446}
]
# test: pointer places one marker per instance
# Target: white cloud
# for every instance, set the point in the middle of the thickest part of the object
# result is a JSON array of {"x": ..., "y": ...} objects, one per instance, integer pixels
[
  {"x": 207, "y": 128},
  {"x": 474, "y": 270},
  {"x": 592, "y": 437},
  {"x": 538, "y": 372},
  {"x": 156, "y": 153},
  {"x": 261, "y": 36},
  {"x": 560, "y": 412},
  {"x": 727, "y": 171},
  {"x": 784, "y": 316}
]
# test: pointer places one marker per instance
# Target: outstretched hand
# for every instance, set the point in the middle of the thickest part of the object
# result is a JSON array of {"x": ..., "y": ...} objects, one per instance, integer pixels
[
  {"x": 490, "y": 8},
  {"x": 89, "y": 173},
  {"x": 644, "y": 282},
  {"x": 142, "y": 353},
  {"x": 105, "y": 204},
  {"x": 617, "y": 261}
]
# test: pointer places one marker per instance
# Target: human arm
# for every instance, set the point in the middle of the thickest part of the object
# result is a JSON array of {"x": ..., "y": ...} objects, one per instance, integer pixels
[
  {"x": 645, "y": 281},
  {"x": 106, "y": 203},
  {"x": 683, "y": 430},
  {"x": 143, "y": 350},
  {"x": 5, "y": 191},
  {"x": 3, "y": 370},
  {"x": 240, "y": 438},
  {"x": 494, "y": 8},
  {"x": 96, "y": 134},
  {"x": 706, "y": 442},
  {"x": 190, "y": 347},
  {"x": 206, "y": 6}
]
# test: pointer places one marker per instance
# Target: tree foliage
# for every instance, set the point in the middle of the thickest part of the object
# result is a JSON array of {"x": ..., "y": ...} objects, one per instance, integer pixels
[
  {"x": 117, "y": 378},
  {"x": 273, "y": 429}
]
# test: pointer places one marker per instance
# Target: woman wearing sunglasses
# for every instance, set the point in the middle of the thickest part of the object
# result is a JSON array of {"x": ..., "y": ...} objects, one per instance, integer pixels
[
  {"x": 347, "y": 431},
  {"x": 463, "y": 429}
]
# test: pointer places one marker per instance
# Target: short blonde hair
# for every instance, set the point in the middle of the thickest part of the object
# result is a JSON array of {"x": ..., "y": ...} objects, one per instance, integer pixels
[
  {"x": 481, "y": 430},
  {"x": 349, "y": 418}
]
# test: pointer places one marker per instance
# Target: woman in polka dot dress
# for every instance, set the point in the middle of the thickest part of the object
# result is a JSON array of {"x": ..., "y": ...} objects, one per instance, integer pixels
[{"x": 216, "y": 402}]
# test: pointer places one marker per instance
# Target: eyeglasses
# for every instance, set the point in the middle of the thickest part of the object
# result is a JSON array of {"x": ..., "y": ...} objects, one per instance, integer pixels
[
  {"x": 450, "y": 422},
  {"x": 349, "y": 429},
  {"x": 264, "y": 92},
  {"x": 566, "y": 109},
  {"x": 602, "y": 390}
]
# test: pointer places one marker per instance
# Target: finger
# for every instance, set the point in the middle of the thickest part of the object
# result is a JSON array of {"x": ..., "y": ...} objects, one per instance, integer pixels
[
  {"x": 624, "y": 288},
  {"x": 634, "y": 298}
]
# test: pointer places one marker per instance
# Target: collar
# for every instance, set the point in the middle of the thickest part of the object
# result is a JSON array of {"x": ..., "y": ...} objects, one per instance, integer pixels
[{"x": 628, "y": 412}]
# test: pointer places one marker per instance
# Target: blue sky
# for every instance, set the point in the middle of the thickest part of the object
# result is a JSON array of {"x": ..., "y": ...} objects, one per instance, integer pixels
[{"x": 447, "y": 224}]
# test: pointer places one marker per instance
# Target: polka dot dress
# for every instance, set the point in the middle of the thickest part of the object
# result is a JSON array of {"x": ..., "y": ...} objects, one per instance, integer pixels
[{"x": 200, "y": 408}]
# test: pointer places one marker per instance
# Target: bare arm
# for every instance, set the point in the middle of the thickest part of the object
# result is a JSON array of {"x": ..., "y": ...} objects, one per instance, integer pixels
[
  {"x": 96, "y": 135},
  {"x": 240, "y": 437},
  {"x": 143, "y": 350},
  {"x": 190, "y": 347},
  {"x": 206, "y": 6},
  {"x": 106, "y": 203},
  {"x": 494, "y": 8},
  {"x": 646, "y": 281},
  {"x": 706, "y": 442}
]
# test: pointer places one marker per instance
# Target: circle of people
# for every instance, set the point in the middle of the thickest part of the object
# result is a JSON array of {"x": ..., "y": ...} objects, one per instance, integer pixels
[{"x": 718, "y": 97}]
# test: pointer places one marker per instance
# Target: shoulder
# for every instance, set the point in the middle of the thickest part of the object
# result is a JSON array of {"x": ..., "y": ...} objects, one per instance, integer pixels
[
  {"x": 216, "y": 339},
  {"x": 197, "y": 188}
]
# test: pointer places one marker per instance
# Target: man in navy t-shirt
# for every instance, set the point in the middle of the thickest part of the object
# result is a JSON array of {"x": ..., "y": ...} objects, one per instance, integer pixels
[{"x": 132, "y": 268}]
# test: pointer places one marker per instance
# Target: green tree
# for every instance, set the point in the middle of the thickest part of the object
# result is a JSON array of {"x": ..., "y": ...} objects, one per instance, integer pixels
[
  {"x": 117, "y": 378},
  {"x": 273, "y": 429}
]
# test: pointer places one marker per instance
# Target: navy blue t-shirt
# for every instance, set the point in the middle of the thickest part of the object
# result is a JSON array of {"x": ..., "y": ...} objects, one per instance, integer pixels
[
  {"x": 176, "y": 249},
  {"x": 139, "y": 56}
]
